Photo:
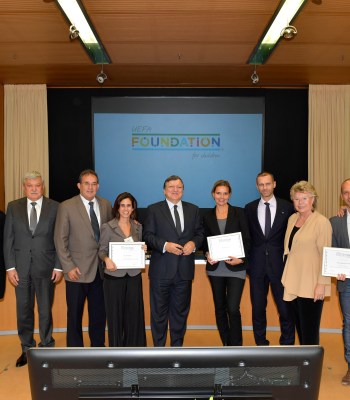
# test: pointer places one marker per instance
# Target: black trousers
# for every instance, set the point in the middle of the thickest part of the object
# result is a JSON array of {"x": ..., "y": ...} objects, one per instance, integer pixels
[
  {"x": 76, "y": 295},
  {"x": 170, "y": 301},
  {"x": 27, "y": 290},
  {"x": 227, "y": 294},
  {"x": 259, "y": 289},
  {"x": 124, "y": 309},
  {"x": 307, "y": 315}
]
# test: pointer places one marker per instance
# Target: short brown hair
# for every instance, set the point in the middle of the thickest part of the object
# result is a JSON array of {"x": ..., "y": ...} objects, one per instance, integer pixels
[{"x": 221, "y": 182}]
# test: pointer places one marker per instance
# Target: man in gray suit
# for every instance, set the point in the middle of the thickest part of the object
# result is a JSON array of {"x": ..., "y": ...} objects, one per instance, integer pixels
[
  {"x": 340, "y": 238},
  {"x": 77, "y": 242},
  {"x": 31, "y": 261}
]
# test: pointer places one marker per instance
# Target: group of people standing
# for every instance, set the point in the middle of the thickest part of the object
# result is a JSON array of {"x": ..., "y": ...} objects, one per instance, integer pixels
[{"x": 283, "y": 245}]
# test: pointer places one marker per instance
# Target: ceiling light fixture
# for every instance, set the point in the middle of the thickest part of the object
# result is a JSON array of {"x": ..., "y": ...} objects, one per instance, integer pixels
[
  {"x": 101, "y": 77},
  {"x": 74, "y": 33},
  {"x": 289, "y": 32},
  {"x": 254, "y": 77},
  {"x": 279, "y": 26},
  {"x": 77, "y": 17}
]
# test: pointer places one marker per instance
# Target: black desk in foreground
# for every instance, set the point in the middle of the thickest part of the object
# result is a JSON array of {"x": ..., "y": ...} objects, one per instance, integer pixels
[{"x": 275, "y": 372}]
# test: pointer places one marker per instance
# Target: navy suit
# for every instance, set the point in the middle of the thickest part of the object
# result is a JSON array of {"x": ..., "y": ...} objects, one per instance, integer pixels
[
  {"x": 170, "y": 275},
  {"x": 266, "y": 268}
]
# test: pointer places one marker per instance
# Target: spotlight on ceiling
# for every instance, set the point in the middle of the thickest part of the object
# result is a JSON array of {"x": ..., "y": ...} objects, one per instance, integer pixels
[
  {"x": 101, "y": 77},
  {"x": 74, "y": 33},
  {"x": 254, "y": 77},
  {"x": 289, "y": 32}
]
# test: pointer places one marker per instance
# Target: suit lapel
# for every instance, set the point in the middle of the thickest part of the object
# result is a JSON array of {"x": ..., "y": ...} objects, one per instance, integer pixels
[
  {"x": 256, "y": 219},
  {"x": 279, "y": 217},
  {"x": 213, "y": 222},
  {"x": 84, "y": 215},
  {"x": 167, "y": 214},
  {"x": 103, "y": 211},
  {"x": 24, "y": 214},
  {"x": 44, "y": 213},
  {"x": 344, "y": 225}
]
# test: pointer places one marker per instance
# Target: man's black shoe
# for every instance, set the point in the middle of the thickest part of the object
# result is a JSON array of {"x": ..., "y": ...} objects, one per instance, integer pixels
[{"x": 22, "y": 360}]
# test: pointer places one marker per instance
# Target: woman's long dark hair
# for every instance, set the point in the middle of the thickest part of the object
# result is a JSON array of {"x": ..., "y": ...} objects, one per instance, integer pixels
[{"x": 119, "y": 199}]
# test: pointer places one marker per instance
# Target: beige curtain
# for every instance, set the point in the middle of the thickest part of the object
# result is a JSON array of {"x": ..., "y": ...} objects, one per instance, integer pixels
[
  {"x": 329, "y": 143},
  {"x": 25, "y": 136}
]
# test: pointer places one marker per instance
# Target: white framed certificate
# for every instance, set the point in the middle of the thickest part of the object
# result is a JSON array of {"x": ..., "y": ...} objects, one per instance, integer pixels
[
  {"x": 223, "y": 247},
  {"x": 336, "y": 261},
  {"x": 127, "y": 255}
]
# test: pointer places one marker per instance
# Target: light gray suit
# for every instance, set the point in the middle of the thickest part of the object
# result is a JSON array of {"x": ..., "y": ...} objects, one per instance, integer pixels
[
  {"x": 77, "y": 247},
  {"x": 74, "y": 237},
  {"x": 34, "y": 258}
]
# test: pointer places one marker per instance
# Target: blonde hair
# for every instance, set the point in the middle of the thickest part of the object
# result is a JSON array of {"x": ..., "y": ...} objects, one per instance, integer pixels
[{"x": 304, "y": 187}]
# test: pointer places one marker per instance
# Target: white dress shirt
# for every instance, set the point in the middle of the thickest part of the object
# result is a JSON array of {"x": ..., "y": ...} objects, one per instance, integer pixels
[{"x": 262, "y": 211}]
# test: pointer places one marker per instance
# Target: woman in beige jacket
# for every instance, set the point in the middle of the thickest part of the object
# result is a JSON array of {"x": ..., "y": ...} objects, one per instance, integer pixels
[{"x": 305, "y": 288}]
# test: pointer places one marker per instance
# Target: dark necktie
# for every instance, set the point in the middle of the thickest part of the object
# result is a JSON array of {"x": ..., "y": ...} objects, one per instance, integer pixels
[
  {"x": 94, "y": 221},
  {"x": 33, "y": 219},
  {"x": 177, "y": 220},
  {"x": 267, "y": 219}
]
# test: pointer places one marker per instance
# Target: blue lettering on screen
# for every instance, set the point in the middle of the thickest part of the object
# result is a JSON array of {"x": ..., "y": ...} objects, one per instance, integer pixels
[{"x": 137, "y": 152}]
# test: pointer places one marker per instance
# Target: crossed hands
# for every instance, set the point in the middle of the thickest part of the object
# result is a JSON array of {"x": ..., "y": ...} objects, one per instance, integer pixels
[{"x": 178, "y": 250}]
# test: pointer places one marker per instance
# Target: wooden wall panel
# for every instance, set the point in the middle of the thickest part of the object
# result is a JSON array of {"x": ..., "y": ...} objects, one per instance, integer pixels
[{"x": 201, "y": 314}]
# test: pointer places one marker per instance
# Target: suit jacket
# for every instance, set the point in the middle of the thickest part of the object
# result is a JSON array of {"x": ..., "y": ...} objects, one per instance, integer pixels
[
  {"x": 159, "y": 228},
  {"x": 236, "y": 222},
  {"x": 2, "y": 261},
  {"x": 111, "y": 232},
  {"x": 74, "y": 237},
  {"x": 303, "y": 269},
  {"x": 27, "y": 252},
  {"x": 272, "y": 246},
  {"x": 340, "y": 238}
]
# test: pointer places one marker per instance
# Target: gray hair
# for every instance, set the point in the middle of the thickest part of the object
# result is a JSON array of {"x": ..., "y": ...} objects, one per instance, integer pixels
[{"x": 32, "y": 175}]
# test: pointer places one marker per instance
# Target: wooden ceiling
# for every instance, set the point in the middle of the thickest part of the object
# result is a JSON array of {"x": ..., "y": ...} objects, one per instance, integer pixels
[{"x": 174, "y": 43}]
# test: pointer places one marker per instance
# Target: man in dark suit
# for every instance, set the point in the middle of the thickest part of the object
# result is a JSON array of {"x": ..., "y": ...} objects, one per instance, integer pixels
[
  {"x": 340, "y": 238},
  {"x": 77, "y": 242},
  {"x": 2, "y": 261},
  {"x": 267, "y": 219},
  {"x": 31, "y": 261},
  {"x": 173, "y": 231}
]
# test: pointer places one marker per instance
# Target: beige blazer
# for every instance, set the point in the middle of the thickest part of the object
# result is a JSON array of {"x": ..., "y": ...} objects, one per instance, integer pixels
[
  {"x": 74, "y": 237},
  {"x": 303, "y": 269}
]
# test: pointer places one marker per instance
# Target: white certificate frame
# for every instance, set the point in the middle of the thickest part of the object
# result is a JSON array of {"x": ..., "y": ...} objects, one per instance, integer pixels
[
  {"x": 223, "y": 247},
  {"x": 127, "y": 255},
  {"x": 335, "y": 261}
]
